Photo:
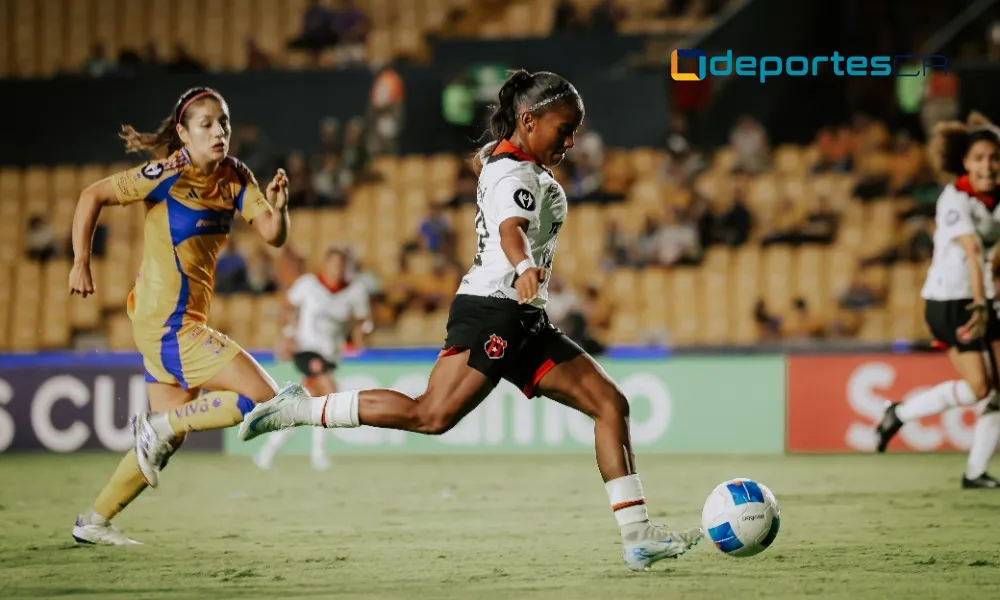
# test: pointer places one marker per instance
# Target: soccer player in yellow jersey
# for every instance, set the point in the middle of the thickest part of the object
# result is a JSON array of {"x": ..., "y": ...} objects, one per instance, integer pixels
[{"x": 191, "y": 191}]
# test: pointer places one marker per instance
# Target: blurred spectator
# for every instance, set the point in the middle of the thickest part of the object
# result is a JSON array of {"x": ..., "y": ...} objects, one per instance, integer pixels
[
  {"x": 672, "y": 9},
  {"x": 566, "y": 18},
  {"x": 644, "y": 250},
  {"x": 327, "y": 184},
  {"x": 820, "y": 224},
  {"x": 435, "y": 230},
  {"x": 940, "y": 100},
  {"x": 750, "y": 145},
  {"x": 616, "y": 246},
  {"x": 40, "y": 240},
  {"x": 330, "y": 141},
  {"x": 184, "y": 62},
  {"x": 458, "y": 107},
  {"x": 466, "y": 185},
  {"x": 98, "y": 64},
  {"x": 768, "y": 325},
  {"x": 605, "y": 16},
  {"x": 231, "y": 270},
  {"x": 130, "y": 63},
  {"x": 677, "y": 240},
  {"x": 257, "y": 59},
  {"x": 584, "y": 165},
  {"x": 317, "y": 30},
  {"x": 566, "y": 312},
  {"x": 385, "y": 116},
  {"x": 834, "y": 155},
  {"x": 351, "y": 26},
  {"x": 596, "y": 311},
  {"x": 803, "y": 325},
  {"x": 787, "y": 224},
  {"x": 860, "y": 294},
  {"x": 252, "y": 147},
  {"x": 260, "y": 272},
  {"x": 355, "y": 156},
  {"x": 300, "y": 190},
  {"x": 733, "y": 226}
]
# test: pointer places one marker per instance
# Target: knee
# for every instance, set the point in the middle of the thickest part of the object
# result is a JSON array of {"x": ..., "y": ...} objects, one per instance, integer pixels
[
  {"x": 603, "y": 399},
  {"x": 435, "y": 421},
  {"x": 980, "y": 389}
]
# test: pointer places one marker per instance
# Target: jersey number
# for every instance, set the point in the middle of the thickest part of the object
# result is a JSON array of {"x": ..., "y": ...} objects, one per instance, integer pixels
[{"x": 483, "y": 235}]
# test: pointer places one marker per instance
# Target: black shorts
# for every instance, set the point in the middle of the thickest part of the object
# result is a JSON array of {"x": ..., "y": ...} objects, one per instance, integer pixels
[
  {"x": 944, "y": 317},
  {"x": 506, "y": 340},
  {"x": 310, "y": 364}
]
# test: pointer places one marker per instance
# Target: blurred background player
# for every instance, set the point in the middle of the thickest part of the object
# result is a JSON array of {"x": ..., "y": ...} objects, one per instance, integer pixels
[
  {"x": 961, "y": 309},
  {"x": 497, "y": 326},
  {"x": 191, "y": 191},
  {"x": 324, "y": 310}
]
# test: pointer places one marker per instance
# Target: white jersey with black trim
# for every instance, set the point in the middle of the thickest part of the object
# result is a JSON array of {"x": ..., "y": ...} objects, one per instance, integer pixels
[
  {"x": 510, "y": 185},
  {"x": 959, "y": 213},
  {"x": 326, "y": 316}
]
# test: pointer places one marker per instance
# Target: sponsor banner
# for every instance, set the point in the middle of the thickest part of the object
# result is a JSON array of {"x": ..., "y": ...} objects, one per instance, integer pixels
[
  {"x": 70, "y": 408},
  {"x": 709, "y": 405},
  {"x": 834, "y": 403}
]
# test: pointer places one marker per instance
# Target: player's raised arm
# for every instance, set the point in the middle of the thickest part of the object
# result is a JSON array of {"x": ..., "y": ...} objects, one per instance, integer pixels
[
  {"x": 266, "y": 212},
  {"x": 88, "y": 211}
]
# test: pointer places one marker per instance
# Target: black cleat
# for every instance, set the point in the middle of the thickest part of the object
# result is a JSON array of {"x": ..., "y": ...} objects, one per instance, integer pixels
[
  {"x": 983, "y": 482},
  {"x": 888, "y": 427}
]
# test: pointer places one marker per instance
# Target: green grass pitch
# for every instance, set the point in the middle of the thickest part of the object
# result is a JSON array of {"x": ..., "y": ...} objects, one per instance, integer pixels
[{"x": 462, "y": 527}]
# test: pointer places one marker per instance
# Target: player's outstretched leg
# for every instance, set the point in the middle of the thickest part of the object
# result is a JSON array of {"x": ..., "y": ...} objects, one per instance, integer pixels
[
  {"x": 935, "y": 400},
  {"x": 127, "y": 482},
  {"x": 244, "y": 381},
  {"x": 582, "y": 384},
  {"x": 453, "y": 390}
]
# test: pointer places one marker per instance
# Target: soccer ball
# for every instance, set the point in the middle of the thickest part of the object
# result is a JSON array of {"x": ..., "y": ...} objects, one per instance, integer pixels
[{"x": 741, "y": 516}]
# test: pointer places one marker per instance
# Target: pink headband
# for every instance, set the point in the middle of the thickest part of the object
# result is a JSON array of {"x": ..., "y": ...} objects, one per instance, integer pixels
[{"x": 180, "y": 114}]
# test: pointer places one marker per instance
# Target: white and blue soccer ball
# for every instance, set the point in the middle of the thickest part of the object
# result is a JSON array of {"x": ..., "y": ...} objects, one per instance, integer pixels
[{"x": 741, "y": 517}]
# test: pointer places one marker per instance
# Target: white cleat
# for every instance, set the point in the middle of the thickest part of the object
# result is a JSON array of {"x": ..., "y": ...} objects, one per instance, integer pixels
[
  {"x": 649, "y": 543},
  {"x": 92, "y": 528},
  {"x": 151, "y": 450},
  {"x": 280, "y": 412}
]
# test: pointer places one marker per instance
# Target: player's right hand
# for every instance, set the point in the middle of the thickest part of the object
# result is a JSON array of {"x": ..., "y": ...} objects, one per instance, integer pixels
[
  {"x": 527, "y": 284},
  {"x": 975, "y": 327},
  {"x": 80, "y": 280}
]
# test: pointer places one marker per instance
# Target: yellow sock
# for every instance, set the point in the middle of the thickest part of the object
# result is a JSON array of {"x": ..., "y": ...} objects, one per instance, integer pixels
[
  {"x": 126, "y": 484},
  {"x": 212, "y": 410}
]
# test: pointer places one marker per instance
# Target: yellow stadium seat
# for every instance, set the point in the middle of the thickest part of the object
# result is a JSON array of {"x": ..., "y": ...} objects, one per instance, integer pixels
[
  {"x": 777, "y": 271},
  {"x": 213, "y": 49},
  {"x": 873, "y": 328},
  {"x": 716, "y": 303},
  {"x": 27, "y": 307},
  {"x": 26, "y": 61},
  {"x": 6, "y": 65},
  {"x": 239, "y": 27},
  {"x": 52, "y": 37},
  {"x": 55, "y": 331},
  {"x": 268, "y": 322},
  {"x": 686, "y": 321},
  {"x": 6, "y": 305},
  {"x": 120, "y": 333}
]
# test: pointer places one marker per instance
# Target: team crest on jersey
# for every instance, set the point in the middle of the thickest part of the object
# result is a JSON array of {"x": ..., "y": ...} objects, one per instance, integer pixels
[
  {"x": 524, "y": 199},
  {"x": 951, "y": 217},
  {"x": 152, "y": 170},
  {"x": 495, "y": 346}
]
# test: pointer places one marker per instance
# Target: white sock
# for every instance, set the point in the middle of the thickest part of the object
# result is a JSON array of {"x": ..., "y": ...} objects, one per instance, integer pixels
[
  {"x": 936, "y": 400},
  {"x": 984, "y": 443},
  {"x": 627, "y": 500},
  {"x": 273, "y": 442},
  {"x": 339, "y": 409},
  {"x": 160, "y": 422},
  {"x": 319, "y": 444}
]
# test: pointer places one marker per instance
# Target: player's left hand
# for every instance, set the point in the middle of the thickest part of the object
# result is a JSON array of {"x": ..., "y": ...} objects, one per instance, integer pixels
[
  {"x": 277, "y": 190},
  {"x": 527, "y": 284},
  {"x": 975, "y": 328}
]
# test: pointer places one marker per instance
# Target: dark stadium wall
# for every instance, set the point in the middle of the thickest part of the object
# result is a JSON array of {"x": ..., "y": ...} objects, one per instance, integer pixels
[
  {"x": 790, "y": 108},
  {"x": 288, "y": 106},
  {"x": 978, "y": 87}
]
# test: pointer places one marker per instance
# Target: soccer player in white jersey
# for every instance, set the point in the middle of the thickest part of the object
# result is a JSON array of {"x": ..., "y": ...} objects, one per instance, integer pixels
[
  {"x": 498, "y": 329},
  {"x": 961, "y": 309},
  {"x": 324, "y": 308}
]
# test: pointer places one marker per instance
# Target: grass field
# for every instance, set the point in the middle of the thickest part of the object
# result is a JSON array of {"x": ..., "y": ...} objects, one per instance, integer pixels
[{"x": 493, "y": 527}]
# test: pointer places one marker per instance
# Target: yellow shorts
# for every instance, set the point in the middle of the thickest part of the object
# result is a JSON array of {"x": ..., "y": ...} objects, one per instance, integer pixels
[{"x": 187, "y": 356}]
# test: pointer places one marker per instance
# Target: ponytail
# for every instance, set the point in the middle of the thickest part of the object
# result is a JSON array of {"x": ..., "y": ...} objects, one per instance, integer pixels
[
  {"x": 534, "y": 91},
  {"x": 165, "y": 141}
]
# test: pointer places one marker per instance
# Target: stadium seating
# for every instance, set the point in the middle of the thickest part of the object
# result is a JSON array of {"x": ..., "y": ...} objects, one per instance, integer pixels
[{"x": 710, "y": 304}]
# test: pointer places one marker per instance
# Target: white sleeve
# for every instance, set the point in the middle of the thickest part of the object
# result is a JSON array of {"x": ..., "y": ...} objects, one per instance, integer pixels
[
  {"x": 513, "y": 197},
  {"x": 360, "y": 305},
  {"x": 299, "y": 290},
  {"x": 953, "y": 216}
]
